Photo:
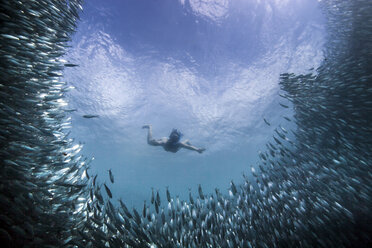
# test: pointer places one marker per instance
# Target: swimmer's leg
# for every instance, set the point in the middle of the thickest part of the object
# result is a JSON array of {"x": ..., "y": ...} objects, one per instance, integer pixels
[{"x": 150, "y": 140}]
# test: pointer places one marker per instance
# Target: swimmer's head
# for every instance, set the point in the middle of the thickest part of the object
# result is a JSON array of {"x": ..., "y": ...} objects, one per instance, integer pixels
[{"x": 175, "y": 136}]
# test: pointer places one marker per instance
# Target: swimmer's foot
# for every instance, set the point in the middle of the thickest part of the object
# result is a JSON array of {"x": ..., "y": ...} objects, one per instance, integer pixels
[
  {"x": 201, "y": 150},
  {"x": 146, "y": 126}
]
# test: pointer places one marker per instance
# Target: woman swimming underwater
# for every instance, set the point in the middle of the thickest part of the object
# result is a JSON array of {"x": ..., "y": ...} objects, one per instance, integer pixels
[{"x": 171, "y": 144}]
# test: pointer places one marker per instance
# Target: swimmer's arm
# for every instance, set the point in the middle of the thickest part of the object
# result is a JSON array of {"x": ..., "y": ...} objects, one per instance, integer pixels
[{"x": 190, "y": 147}]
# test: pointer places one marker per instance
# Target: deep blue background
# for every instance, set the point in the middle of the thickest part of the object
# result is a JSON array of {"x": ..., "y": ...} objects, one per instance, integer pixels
[{"x": 211, "y": 70}]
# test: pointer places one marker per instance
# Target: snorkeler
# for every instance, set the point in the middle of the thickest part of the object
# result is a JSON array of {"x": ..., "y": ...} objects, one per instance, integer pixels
[{"x": 171, "y": 144}]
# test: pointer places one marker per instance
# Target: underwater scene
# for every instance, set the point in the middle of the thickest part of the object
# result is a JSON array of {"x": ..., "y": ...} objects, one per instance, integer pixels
[{"x": 186, "y": 123}]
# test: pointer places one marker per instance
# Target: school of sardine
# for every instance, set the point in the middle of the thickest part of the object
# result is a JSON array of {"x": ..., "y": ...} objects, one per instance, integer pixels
[{"x": 312, "y": 187}]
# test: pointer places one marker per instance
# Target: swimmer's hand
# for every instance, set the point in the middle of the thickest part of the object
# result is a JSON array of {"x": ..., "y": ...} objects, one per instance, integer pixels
[
  {"x": 201, "y": 150},
  {"x": 146, "y": 126}
]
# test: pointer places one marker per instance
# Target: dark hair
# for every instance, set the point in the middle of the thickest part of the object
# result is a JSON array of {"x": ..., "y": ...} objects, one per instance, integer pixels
[{"x": 175, "y": 136}]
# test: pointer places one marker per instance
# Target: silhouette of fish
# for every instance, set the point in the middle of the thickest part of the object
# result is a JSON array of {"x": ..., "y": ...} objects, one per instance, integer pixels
[{"x": 90, "y": 116}]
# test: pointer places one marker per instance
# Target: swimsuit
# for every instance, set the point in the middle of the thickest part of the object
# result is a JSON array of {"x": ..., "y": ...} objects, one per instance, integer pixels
[{"x": 172, "y": 147}]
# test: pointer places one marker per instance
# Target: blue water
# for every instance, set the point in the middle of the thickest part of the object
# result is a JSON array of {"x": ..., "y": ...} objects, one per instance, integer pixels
[{"x": 208, "y": 68}]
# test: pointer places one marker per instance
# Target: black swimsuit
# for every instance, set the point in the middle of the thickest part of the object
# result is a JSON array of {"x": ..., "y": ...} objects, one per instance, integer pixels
[{"x": 172, "y": 147}]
